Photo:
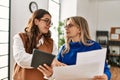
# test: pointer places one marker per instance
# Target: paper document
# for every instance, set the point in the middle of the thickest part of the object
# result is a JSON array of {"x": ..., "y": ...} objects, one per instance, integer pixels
[
  {"x": 93, "y": 57},
  {"x": 89, "y": 64}
]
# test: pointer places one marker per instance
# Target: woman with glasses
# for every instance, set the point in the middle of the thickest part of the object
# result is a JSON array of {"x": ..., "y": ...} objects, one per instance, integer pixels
[
  {"x": 77, "y": 39},
  {"x": 36, "y": 35}
]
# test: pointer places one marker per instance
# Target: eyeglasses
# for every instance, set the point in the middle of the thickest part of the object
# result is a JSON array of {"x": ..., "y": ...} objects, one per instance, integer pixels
[
  {"x": 47, "y": 21},
  {"x": 69, "y": 26}
]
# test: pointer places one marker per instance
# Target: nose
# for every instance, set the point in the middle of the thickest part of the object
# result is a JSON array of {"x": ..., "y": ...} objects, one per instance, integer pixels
[{"x": 66, "y": 28}]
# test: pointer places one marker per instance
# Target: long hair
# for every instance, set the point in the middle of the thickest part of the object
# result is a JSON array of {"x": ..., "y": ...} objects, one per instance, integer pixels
[
  {"x": 82, "y": 24},
  {"x": 32, "y": 30}
]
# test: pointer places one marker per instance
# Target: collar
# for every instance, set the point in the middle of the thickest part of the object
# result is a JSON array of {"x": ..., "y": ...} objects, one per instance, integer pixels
[{"x": 41, "y": 40}]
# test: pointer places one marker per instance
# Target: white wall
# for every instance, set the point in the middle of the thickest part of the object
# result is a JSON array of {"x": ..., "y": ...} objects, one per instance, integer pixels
[
  {"x": 100, "y": 14},
  {"x": 68, "y": 8},
  {"x": 109, "y": 14},
  {"x": 19, "y": 16},
  {"x": 89, "y": 10}
]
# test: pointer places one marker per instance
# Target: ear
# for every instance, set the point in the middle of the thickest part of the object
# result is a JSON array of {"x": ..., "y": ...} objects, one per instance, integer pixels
[
  {"x": 79, "y": 30},
  {"x": 36, "y": 21}
]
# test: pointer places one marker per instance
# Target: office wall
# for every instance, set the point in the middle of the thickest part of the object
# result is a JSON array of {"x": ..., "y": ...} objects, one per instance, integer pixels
[
  {"x": 109, "y": 14},
  {"x": 89, "y": 10},
  {"x": 68, "y": 8},
  {"x": 19, "y": 16},
  {"x": 100, "y": 14}
]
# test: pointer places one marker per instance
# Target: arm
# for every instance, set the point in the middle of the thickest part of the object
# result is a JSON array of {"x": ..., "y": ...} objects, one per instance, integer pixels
[
  {"x": 21, "y": 57},
  {"x": 47, "y": 70},
  {"x": 55, "y": 50},
  {"x": 107, "y": 71},
  {"x": 105, "y": 76}
]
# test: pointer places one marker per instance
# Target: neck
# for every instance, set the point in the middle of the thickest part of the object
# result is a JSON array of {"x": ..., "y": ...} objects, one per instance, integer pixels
[
  {"x": 39, "y": 36},
  {"x": 76, "y": 39}
]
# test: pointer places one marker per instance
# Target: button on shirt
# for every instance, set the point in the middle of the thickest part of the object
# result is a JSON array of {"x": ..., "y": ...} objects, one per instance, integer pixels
[{"x": 21, "y": 57}]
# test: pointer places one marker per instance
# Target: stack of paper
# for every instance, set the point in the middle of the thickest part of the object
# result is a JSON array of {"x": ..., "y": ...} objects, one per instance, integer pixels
[{"x": 89, "y": 64}]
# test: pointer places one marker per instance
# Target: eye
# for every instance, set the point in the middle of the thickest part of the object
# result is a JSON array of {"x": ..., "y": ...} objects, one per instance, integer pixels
[
  {"x": 47, "y": 20},
  {"x": 69, "y": 26}
]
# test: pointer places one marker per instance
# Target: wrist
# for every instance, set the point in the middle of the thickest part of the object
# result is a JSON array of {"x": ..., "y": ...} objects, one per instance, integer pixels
[{"x": 47, "y": 77}]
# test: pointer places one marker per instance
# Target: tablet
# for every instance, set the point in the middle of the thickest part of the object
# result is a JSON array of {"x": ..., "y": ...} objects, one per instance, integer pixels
[{"x": 40, "y": 58}]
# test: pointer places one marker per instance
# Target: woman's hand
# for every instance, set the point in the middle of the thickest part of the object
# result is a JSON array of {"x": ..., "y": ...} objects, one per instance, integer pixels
[
  {"x": 46, "y": 70},
  {"x": 102, "y": 77},
  {"x": 57, "y": 63}
]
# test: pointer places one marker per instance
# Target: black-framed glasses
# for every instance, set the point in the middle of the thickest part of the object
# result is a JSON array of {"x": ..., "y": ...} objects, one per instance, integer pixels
[
  {"x": 68, "y": 26},
  {"x": 47, "y": 21}
]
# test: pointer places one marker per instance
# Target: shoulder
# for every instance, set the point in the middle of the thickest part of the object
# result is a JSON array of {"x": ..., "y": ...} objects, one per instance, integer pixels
[
  {"x": 20, "y": 36},
  {"x": 16, "y": 36},
  {"x": 62, "y": 47},
  {"x": 94, "y": 44},
  {"x": 17, "y": 39},
  {"x": 23, "y": 36},
  {"x": 21, "y": 33}
]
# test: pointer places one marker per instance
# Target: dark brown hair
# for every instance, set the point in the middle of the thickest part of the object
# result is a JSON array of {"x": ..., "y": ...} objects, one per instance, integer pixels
[{"x": 32, "y": 30}]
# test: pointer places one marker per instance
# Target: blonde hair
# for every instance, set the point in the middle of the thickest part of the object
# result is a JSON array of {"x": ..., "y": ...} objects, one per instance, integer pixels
[{"x": 81, "y": 23}]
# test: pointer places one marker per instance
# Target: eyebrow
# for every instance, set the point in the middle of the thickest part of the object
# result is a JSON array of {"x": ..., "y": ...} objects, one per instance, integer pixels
[
  {"x": 46, "y": 18},
  {"x": 69, "y": 24}
]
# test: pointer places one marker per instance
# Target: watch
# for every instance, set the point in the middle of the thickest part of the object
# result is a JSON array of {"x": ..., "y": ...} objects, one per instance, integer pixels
[{"x": 33, "y": 6}]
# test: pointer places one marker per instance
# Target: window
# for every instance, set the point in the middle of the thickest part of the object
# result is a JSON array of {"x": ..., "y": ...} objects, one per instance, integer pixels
[
  {"x": 4, "y": 40},
  {"x": 54, "y": 9}
]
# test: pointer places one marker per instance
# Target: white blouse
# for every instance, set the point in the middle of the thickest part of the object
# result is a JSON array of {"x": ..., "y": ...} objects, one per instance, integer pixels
[{"x": 21, "y": 57}]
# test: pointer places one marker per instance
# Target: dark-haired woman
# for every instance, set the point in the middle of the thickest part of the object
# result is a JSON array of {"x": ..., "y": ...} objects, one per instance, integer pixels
[{"x": 36, "y": 35}]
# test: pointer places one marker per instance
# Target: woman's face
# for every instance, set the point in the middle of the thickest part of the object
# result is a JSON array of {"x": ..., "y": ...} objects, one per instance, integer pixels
[
  {"x": 71, "y": 30},
  {"x": 44, "y": 23}
]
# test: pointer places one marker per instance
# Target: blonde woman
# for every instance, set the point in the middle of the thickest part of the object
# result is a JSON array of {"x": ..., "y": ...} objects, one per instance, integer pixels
[{"x": 77, "y": 39}]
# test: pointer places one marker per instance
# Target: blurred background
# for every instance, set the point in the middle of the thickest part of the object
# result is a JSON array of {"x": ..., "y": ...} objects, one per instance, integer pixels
[{"x": 103, "y": 17}]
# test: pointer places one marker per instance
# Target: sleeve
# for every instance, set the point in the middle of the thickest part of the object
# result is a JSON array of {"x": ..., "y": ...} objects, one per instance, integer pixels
[
  {"x": 107, "y": 71},
  {"x": 55, "y": 50},
  {"x": 20, "y": 56}
]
